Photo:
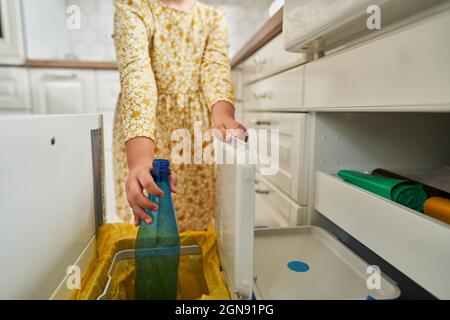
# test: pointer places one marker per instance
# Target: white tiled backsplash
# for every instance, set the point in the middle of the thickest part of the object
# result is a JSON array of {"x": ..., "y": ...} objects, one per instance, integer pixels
[
  {"x": 94, "y": 42},
  {"x": 244, "y": 19}
]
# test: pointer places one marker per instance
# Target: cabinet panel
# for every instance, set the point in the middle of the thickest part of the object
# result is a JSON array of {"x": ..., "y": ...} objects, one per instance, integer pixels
[
  {"x": 11, "y": 38},
  {"x": 14, "y": 89},
  {"x": 410, "y": 241},
  {"x": 108, "y": 89},
  {"x": 292, "y": 175},
  {"x": 280, "y": 92},
  {"x": 63, "y": 91},
  {"x": 407, "y": 70},
  {"x": 271, "y": 58},
  {"x": 273, "y": 202}
]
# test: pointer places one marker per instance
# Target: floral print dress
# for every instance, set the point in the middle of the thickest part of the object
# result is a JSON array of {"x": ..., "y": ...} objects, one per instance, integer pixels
[{"x": 173, "y": 67}]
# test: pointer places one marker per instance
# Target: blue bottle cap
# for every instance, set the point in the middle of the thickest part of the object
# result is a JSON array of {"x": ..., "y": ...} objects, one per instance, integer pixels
[{"x": 161, "y": 168}]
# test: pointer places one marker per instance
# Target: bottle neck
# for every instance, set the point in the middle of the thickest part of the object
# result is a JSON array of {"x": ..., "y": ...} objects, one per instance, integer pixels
[{"x": 162, "y": 178}]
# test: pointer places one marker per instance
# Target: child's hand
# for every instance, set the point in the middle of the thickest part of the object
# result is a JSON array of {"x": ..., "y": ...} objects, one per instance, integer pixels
[
  {"x": 140, "y": 154},
  {"x": 223, "y": 120}
]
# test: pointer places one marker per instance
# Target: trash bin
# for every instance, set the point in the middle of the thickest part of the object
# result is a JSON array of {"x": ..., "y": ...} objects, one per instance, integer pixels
[{"x": 111, "y": 274}]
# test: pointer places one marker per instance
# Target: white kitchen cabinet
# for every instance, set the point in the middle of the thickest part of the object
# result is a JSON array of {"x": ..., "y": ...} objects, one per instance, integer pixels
[
  {"x": 292, "y": 174},
  {"x": 63, "y": 91},
  {"x": 407, "y": 70},
  {"x": 14, "y": 90},
  {"x": 281, "y": 92},
  {"x": 271, "y": 59},
  {"x": 49, "y": 211},
  {"x": 400, "y": 142},
  {"x": 71, "y": 91},
  {"x": 11, "y": 33},
  {"x": 396, "y": 233},
  {"x": 108, "y": 89}
]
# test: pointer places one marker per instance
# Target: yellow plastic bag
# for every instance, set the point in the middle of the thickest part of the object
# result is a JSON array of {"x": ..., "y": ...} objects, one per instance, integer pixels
[{"x": 199, "y": 276}]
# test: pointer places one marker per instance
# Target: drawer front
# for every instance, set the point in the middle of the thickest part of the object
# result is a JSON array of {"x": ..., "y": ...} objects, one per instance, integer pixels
[
  {"x": 280, "y": 92},
  {"x": 284, "y": 210},
  {"x": 14, "y": 89},
  {"x": 398, "y": 234},
  {"x": 406, "y": 70},
  {"x": 291, "y": 176},
  {"x": 269, "y": 59}
]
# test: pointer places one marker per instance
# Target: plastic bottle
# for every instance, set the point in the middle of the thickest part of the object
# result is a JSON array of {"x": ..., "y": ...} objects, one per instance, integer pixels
[{"x": 158, "y": 244}]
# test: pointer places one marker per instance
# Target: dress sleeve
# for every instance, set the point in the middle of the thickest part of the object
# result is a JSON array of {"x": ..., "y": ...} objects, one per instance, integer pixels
[
  {"x": 133, "y": 27},
  {"x": 215, "y": 68}
]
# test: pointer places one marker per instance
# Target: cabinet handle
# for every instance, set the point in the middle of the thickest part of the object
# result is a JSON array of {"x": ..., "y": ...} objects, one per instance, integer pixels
[
  {"x": 261, "y": 95},
  {"x": 258, "y": 191},
  {"x": 61, "y": 77},
  {"x": 259, "y": 61},
  {"x": 261, "y": 122}
]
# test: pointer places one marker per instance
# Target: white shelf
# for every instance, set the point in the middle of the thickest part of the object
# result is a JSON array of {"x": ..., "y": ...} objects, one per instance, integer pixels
[{"x": 415, "y": 244}]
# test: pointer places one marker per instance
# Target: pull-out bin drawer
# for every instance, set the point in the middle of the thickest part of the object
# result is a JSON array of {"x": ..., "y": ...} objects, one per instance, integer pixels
[
  {"x": 283, "y": 263},
  {"x": 415, "y": 244}
]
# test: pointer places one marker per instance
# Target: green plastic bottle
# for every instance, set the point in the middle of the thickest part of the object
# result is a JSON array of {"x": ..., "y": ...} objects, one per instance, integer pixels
[{"x": 158, "y": 244}]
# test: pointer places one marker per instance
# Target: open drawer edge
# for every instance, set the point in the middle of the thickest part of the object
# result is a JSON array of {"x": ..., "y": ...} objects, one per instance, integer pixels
[
  {"x": 309, "y": 263},
  {"x": 415, "y": 244}
]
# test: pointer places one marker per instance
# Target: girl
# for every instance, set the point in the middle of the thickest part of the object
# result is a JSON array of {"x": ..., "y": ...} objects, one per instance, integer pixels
[{"x": 174, "y": 71}]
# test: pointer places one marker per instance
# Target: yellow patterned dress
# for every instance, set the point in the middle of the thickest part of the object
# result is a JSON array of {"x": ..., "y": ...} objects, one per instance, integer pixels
[{"x": 174, "y": 67}]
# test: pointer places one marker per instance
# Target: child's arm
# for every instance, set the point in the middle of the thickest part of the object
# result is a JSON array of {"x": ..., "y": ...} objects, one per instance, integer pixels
[
  {"x": 223, "y": 120},
  {"x": 216, "y": 79},
  {"x": 133, "y": 26}
]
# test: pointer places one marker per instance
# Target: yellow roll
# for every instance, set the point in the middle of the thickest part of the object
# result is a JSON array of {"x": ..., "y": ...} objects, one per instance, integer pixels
[{"x": 438, "y": 208}]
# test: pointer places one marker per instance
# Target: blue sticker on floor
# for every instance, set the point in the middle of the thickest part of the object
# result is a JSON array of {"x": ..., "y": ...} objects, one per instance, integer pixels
[{"x": 298, "y": 266}]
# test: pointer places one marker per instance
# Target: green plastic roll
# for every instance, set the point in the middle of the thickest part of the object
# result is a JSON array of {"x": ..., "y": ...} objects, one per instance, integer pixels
[{"x": 405, "y": 192}]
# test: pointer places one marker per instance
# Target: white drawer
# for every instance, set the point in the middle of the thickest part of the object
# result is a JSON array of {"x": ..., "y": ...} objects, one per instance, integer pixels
[
  {"x": 292, "y": 176},
  {"x": 407, "y": 70},
  {"x": 398, "y": 234},
  {"x": 284, "y": 210},
  {"x": 271, "y": 58},
  {"x": 279, "y": 92},
  {"x": 14, "y": 89}
]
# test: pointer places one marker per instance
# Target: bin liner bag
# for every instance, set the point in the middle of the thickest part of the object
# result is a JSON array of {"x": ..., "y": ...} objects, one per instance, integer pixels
[
  {"x": 438, "y": 208},
  {"x": 199, "y": 276},
  {"x": 404, "y": 192},
  {"x": 429, "y": 190}
]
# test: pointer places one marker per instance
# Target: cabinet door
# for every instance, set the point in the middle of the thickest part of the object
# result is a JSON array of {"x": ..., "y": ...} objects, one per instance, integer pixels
[
  {"x": 14, "y": 90},
  {"x": 11, "y": 33},
  {"x": 63, "y": 91},
  {"x": 108, "y": 89},
  {"x": 292, "y": 174}
]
